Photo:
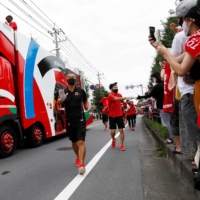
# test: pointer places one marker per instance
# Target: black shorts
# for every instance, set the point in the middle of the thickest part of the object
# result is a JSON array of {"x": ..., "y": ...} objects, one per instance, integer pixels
[
  {"x": 134, "y": 116},
  {"x": 129, "y": 117},
  {"x": 76, "y": 131},
  {"x": 113, "y": 121},
  {"x": 104, "y": 118}
]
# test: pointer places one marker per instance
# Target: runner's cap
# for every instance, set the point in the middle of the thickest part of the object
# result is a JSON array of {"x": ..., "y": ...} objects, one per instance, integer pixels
[{"x": 112, "y": 85}]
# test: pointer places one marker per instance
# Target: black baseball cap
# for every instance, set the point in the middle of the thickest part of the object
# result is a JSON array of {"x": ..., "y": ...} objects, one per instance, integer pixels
[
  {"x": 112, "y": 85},
  {"x": 194, "y": 12}
]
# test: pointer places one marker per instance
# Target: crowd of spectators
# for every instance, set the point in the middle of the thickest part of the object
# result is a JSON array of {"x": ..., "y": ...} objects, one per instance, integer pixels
[{"x": 174, "y": 99}]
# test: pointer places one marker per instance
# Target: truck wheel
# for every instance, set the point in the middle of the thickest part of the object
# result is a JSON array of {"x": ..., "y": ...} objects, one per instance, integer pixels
[
  {"x": 8, "y": 141},
  {"x": 35, "y": 135}
]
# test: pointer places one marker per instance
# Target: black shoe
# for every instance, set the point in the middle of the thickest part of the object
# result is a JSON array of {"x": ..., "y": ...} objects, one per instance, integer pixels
[
  {"x": 169, "y": 141},
  {"x": 194, "y": 171}
]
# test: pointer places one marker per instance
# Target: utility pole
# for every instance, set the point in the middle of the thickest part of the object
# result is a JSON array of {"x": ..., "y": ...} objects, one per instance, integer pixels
[
  {"x": 55, "y": 34},
  {"x": 99, "y": 77},
  {"x": 142, "y": 89}
]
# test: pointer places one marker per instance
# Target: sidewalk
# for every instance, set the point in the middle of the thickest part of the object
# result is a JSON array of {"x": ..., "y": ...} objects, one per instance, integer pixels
[{"x": 181, "y": 163}]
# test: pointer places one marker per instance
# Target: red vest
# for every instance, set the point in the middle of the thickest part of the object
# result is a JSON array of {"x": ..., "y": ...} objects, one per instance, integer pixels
[{"x": 169, "y": 95}]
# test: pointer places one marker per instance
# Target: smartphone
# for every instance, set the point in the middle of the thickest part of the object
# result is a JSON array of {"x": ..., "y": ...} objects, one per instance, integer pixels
[{"x": 152, "y": 31}]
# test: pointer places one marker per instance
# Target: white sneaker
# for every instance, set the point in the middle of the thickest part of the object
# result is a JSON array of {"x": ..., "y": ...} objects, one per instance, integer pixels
[{"x": 81, "y": 169}]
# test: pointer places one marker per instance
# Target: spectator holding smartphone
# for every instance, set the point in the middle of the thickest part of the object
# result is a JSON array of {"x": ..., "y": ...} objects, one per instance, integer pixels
[{"x": 189, "y": 60}]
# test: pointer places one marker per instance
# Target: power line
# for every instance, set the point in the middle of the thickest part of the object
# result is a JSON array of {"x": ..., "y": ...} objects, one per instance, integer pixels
[
  {"x": 23, "y": 11},
  {"x": 106, "y": 78},
  {"x": 56, "y": 31},
  {"x": 80, "y": 54},
  {"x": 74, "y": 51},
  {"x": 26, "y": 21},
  {"x": 30, "y": 8},
  {"x": 41, "y": 11},
  {"x": 77, "y": 55},
  {"x": 74, "y": 58}
]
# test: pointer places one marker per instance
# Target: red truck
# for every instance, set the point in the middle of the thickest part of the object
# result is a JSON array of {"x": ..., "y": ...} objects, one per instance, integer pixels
[{"x": 29, "y": 75}]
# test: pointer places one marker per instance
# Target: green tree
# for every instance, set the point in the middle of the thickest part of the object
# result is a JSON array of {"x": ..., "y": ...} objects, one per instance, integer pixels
[
  {"x": 87, "y": 89},
  {"x": 97, "y": 95}
]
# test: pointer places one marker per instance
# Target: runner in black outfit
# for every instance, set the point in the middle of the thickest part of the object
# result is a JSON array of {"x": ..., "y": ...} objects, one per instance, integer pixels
[{"x": 74, "y": 100}]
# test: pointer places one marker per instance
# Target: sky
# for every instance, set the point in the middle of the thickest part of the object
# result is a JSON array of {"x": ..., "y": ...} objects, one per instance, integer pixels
[{"x": 111, "y": 34}]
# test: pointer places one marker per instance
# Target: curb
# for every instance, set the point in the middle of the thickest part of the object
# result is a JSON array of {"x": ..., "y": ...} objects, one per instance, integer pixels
[{"x": 180, "y": 162}]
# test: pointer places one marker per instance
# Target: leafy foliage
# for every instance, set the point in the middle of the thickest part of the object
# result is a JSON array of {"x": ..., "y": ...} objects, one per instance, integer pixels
[
  {"x": 87, "y": 90},
  {"x": 161, "y": 151}
]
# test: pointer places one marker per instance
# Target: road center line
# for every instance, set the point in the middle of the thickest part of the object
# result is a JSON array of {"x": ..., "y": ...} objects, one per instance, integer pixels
[{"x": 73, "y": 185}]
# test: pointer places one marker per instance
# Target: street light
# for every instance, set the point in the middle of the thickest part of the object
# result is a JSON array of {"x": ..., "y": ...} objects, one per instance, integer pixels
[{"x": 132, "y": 86}]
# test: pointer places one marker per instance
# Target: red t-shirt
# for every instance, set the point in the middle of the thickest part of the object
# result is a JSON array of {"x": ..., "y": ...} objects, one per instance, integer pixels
[
  {"x": 13, "y": 25},
  {"x": 168, "y": 103},
  {"x": 105, "y": 102},
  {"x": 124, "y": 107},
  {"x": 104, "y": 111},
  {"x": 114, "y": 106},
  {"x": 134, "y": 110},
  {"x": 131, "y": 110},
  {"x": 192, "y": 45}
]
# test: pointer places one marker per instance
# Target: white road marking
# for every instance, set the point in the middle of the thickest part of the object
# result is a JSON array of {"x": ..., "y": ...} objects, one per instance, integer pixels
[{"x": 73, "y": 185}]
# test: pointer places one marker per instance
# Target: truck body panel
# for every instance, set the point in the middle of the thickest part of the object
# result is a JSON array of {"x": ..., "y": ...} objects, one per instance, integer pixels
[{"x": 28, "y": 78}]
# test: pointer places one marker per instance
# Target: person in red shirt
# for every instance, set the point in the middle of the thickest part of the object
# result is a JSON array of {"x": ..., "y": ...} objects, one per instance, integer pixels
[
  {"x": 124, "y": 110},
  {"x": 134, "y": 114},
  {"x": 9, "y": 21},
  {"x": 105, "y": 117},
  {"x": 131, "y": 115},
  {"x": 116, "y": 115},
  {"x": 58, "y": 116},
  {"x": 104, "y": 112}
]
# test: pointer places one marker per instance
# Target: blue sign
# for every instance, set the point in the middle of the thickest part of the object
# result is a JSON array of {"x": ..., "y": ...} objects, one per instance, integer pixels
[{"x": 92, "y": 87}]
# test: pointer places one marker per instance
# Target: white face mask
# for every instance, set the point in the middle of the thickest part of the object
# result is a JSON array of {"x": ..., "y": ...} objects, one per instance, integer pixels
[
  {"x": 154, "y": 84},
  {"x": 186, "y": 28},
  {"x": 154, "y": 80}
]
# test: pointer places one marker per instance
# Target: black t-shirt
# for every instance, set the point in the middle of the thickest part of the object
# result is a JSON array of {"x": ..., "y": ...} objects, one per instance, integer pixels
[
  {"x": 157, "y": 92},
  {"x": 195, "y": 71},
  {"x": 74, "y": 105}
]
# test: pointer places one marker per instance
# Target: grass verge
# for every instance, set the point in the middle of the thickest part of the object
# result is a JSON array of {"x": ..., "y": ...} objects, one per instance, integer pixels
[
  {"x": 160, "y": 151},
  {"x": 163, "y": 132}
]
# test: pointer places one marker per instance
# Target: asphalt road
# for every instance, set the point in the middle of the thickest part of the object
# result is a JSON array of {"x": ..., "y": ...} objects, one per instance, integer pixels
[{"x": 135, "y": 174}]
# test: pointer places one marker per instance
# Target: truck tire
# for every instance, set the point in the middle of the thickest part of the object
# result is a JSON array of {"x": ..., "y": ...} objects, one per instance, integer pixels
[
  {"x": 35, "y": 135},
  {"x": 8, "y": 141}
]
